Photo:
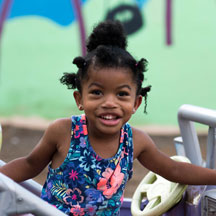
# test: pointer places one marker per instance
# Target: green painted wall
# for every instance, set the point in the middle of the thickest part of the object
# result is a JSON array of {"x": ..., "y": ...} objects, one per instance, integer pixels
[{"x": 35, "y": 52}]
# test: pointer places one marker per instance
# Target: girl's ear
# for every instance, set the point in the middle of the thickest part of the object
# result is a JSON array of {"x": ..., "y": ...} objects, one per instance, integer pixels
[
  {"x": 78, "y": 99},
  {"x": 137, "y": 103}
]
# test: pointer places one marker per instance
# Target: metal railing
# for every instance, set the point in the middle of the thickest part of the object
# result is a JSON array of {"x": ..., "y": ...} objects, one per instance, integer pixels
[
  {"x": 188, "y": 143},
  {"x": 14, "y": 199},
  {"x": 23, "y": 198}
]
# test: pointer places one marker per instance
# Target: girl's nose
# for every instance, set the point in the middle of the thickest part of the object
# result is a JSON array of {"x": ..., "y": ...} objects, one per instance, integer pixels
[{"x": 109, "y": 102}]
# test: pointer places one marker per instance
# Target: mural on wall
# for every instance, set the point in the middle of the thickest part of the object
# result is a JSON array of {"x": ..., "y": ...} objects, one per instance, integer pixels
[
  {"x": 61, "y": 13},
  {"x": 65, "y": 12},
  {"x": 39, "y": 39}
]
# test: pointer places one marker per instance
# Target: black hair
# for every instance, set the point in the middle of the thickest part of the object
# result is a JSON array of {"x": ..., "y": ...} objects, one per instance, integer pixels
[{"x": 106, "y": 47}]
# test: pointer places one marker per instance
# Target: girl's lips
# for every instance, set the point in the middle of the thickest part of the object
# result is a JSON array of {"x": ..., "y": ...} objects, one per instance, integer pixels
[{"x": 111, "y": 122}]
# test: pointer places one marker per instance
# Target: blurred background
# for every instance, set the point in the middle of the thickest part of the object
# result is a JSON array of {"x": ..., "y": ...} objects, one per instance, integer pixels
[{"x": 40, "y": 38}]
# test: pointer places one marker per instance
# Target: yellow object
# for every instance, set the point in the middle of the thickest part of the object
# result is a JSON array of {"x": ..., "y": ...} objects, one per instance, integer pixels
[
  {"x": 0, "y": 137},
  {"x": 160, "y": 193}
]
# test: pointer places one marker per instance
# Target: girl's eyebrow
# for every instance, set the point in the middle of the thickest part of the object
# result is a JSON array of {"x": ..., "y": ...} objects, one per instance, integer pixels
[
  {"x": 95, "y": 84},
  {"x": 124, "y": 86}
]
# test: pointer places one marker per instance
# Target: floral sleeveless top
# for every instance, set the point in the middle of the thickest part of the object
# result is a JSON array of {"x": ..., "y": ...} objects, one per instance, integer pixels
[{"x": 86, "y": 184}]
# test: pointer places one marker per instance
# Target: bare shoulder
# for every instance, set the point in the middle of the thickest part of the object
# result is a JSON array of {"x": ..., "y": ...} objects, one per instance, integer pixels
[
  {"x": 56, "y": 133},
  {"x": 59, "y": 127},
  {"x": 62, "y": 123},
  {"x": 56, "y": 141},
  {"x": 142, "y": 142},
  {"x": 52, "y": 142}
]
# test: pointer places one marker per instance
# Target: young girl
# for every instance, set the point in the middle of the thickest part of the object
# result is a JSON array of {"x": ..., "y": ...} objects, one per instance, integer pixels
[{"x": 92, "y": 154}]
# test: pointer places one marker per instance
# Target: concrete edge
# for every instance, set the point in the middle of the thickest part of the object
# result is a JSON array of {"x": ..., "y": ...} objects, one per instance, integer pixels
[
  {"x": 37, "y": 123},
  {"x": 33, "y": 123}
]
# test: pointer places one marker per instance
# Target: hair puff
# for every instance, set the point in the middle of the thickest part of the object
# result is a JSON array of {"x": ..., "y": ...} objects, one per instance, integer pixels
[
  {"x": 145, "y": 90},
  {"x": 141, "y": 65},
  {"x": 108, "y": 33},
  {"x": 80, "y": 62},
  {"x": 69, "y": 79}
]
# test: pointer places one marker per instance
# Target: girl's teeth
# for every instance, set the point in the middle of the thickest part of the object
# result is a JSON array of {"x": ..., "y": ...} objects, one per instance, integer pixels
[{"x": 108, "y": 117}]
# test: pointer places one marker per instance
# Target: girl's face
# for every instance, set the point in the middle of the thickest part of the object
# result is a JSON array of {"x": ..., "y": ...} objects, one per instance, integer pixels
[{"x": 108, "y": 99}]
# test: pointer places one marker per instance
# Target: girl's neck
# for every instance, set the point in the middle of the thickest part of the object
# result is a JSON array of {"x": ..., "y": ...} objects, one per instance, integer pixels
[
  {"x": 96, "y": 135},
  {"x": 105, "y": 146}
]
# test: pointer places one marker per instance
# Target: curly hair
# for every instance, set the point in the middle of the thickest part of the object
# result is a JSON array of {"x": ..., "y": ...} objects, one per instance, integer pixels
[{"x": 106, "y": 47}]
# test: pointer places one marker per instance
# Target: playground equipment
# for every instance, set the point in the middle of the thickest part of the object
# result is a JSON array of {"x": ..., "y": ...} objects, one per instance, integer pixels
[
  {"x": 188, "y": 143},
  {"x": 23, "y": 198},
  {"x": 15, "y": 199},
  {"x": 160, "y": 193},
  {"x": 198, "y": 200}
]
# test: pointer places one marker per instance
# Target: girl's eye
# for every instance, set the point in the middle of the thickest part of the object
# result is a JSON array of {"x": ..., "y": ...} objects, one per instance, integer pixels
[
  {"x": 96, "y": 92},
  {"x": 123, "y": 93}
]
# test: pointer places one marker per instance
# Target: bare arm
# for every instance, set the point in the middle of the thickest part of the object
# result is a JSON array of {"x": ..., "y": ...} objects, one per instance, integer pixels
[
  {"x": 31, "y": 165},
  {"x": 156, "y": 161}
]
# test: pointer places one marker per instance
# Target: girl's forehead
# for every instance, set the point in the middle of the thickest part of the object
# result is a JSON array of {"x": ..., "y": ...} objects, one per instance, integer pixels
[
  {"x": 110, "y": 78},
  {"x": 110, "y": 72}
]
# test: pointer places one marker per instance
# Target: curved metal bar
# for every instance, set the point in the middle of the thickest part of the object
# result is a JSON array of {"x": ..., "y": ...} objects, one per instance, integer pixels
[
  {"x": 187, "y": 115},
  {"x": 197, "y": 114}
]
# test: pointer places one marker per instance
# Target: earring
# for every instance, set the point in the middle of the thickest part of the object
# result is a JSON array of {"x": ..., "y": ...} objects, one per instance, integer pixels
[
  {"x": 80, "y": 107},
  {"x": 134, "y": 110}
]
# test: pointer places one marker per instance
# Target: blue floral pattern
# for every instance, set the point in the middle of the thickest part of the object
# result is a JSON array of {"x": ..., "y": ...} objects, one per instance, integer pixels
[{"x": 86, "y": 184}]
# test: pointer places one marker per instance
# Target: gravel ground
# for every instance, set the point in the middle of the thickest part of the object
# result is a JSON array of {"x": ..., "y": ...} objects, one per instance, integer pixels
[{"x": 18, "y": 141}]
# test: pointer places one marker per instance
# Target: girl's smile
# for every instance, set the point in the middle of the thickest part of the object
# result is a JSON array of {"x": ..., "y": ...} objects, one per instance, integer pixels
[
  {"x": 108, "y": 99},
  {"x": 109, "y": 120}
]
